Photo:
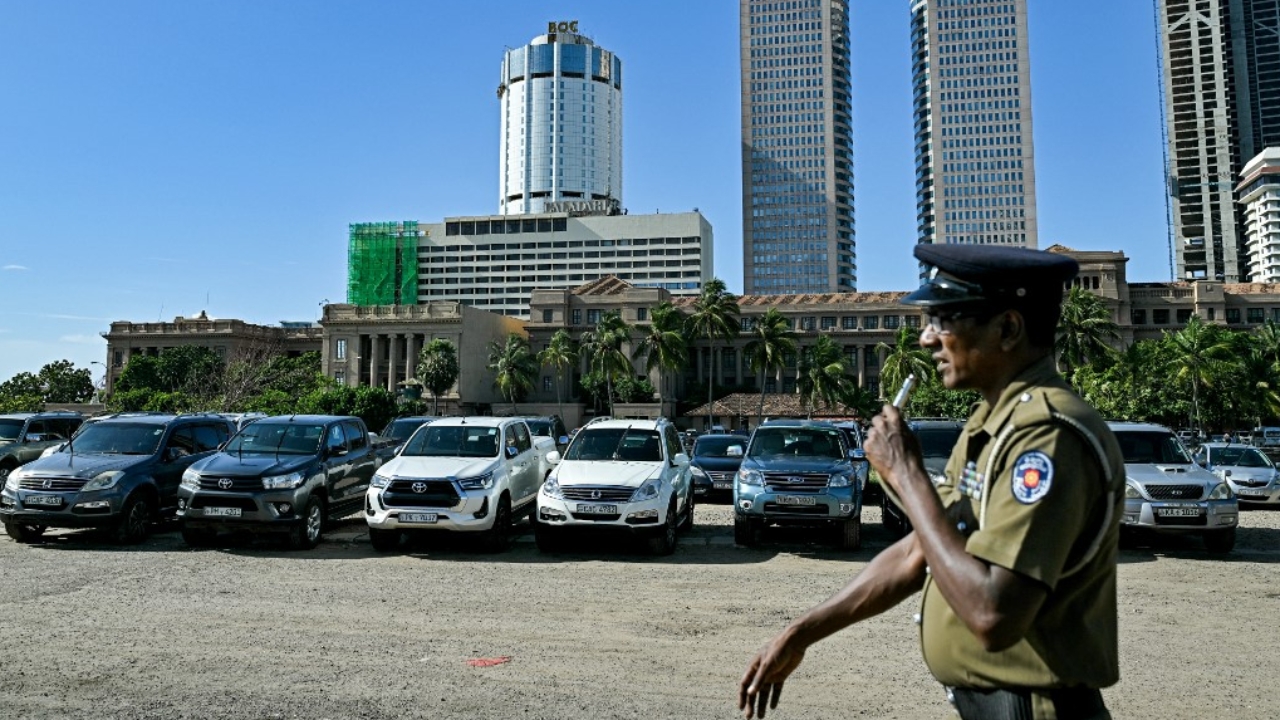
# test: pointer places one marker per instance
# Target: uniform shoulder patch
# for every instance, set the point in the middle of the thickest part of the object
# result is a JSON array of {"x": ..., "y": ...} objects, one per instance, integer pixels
[{"x": 1032, "y": 476}]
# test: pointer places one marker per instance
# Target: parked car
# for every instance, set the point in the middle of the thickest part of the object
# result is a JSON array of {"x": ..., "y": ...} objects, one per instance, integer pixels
[
  {"x": 549, "y": 426},
  {"x": 714, "y": 464},
  {"x": 1250, "y": 474},
  {"x": 472, "y": 475},
  {"x": 1266, "y": 437},
  {"x": 798, "y": 472},
  {"x": 627, "y": 476},
  {"x": 25, "y": 436},
  {"x": 861, "y": 466},
  {"x": 1166, "y": 492},
  {"x": 245, "y": 418},
  {"x": 119, "y": 474},
  {"x": 937, "y": 439},
  {"x": 400, "y": 429},
  {"x": 287, "y": 474}
]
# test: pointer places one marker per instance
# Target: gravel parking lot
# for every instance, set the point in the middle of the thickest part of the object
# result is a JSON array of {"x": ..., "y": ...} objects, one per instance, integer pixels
[{"x": 250, "y": 630}]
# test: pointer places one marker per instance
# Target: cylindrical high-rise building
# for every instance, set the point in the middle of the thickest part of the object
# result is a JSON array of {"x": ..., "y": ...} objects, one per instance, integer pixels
[{"x": 561, "y": 123}]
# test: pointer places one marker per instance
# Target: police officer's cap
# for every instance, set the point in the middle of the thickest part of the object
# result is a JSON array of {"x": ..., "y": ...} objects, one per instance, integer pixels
[{"x": 991, "y": 275}]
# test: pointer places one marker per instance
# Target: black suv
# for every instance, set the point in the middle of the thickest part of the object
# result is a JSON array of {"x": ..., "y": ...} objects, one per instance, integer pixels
[
  {"x": 24, "y": 436},
  {"x": 117, "y": 474},
  {"x": 290, "y": 474},
  {"x": 937, "y": 438},
  {"x": 549, "y": 426}
]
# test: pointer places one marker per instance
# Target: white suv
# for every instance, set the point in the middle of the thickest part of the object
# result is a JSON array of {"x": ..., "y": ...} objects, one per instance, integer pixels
[
  {"x": 470, "y": 474},
  {"x": 623, "y": 475}
]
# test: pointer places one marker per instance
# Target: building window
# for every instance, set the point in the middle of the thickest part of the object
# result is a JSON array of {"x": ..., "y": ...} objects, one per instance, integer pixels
[
  {"x": 871, "y": 322},
  {"x": 577, "y": 317},
  {"x": 546, "y": 383},
  {"x": 340, "y": 377},
  {"x": 117, "y": 358},
  {"x": 770, "y": 385},
  {"x": 913, "y": 321},
  {"x": 1183, "y": 315},
  {"x": 806, "y": 323},
  {"x": 729, "y": 359},
  {"x": 1233, "y": 316},
  {"x": 828, "y": 323},
  {"x": 642, "y": 314},
  {"x": 871, "y": 358},
  {"x": 746, "y": 323},
  {"x": 1160, "y": 317},
  {"x": 593, "y": 317},
  {"x": 891, "y": 322},
  {"x": 851, "y": 356},
  {"x": 1254, "y": 315},
  {"x": 340, "y": 349},
  {"x": 1138, "y": 316},
  {"x": 547, "y": 316},
  {"x": 849, "y": 322},
  {"x": 788, "y": 385},
  {"x": 1275, "y": 314},
  {"x": 1213, "y": 314},
  {"x": 873, "y": 385}
]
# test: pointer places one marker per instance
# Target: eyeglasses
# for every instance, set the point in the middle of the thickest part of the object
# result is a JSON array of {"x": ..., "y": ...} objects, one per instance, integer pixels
[{"x": 943, "y": 323}]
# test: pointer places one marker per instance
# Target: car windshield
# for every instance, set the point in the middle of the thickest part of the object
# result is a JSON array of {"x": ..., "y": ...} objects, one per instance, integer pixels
[
  {"x": 629, "y": 444},
  {"x": 10, "y": 429},
  {"x": 541, "y": 428},
  {"x": 400, "y": 430},
  {"x": 282, "y": 438},
  {"x": 453, "y": 441},
  {"x": 718, "y": 446},
  {"x": 1152, "y": 446},
  {"x": 1239, "y": 457},
  {"x": 119, "y": 438},
  {"x": 796, "y": 441},
  {"x": 937, "y": 442}
]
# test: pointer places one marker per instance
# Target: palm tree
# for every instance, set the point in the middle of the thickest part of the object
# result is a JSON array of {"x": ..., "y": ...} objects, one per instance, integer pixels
[
  {"x": 1200, "y": 353},
  {"x": 514, "y": 367},
  {"x": 438, "y": 369},
  {"x": 1086, "y": 331},
  {"x": 560, "y": 354},
  {"x": 904, "y": 358},
  {"x": 711, "y": 319},
  {"x": 1267, "y": 340},
  {"x": 771, "y": 340},
  {"x": 663, "y": 344},
  {"x": 603, "y": 349},
  {"x": 825, "y": 376}
]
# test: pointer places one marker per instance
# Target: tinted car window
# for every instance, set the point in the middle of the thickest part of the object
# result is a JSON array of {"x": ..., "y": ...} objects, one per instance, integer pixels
[
  {"x": 282, "y": 438},
  {"x": 453, "y": 441},
  {"x": 1151, "y": 446},
  {"x": 673, "y": 443},
  {"x": 718, "y": 446},
  {"x": 937, "y": 442},
  {"x": 400, "y": 430},
  {"x": 207, "y": 437},
  {"x": 616, "y": 444},
  {"x": 357, "y": 437},
  {"x": 797, "y": 441},
  {"x": 523, "y": 441},
  {"x": 10, "y": 429},
  {"x": 541, "y": 428},
  {"x": 1238, "y": 456},
  {"x": 120, "y": 438}
]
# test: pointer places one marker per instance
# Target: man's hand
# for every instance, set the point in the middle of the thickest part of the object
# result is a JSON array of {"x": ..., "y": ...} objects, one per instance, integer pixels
[
  {"x": 761, "y": 685},
  {"x": 893, "y": 450}
]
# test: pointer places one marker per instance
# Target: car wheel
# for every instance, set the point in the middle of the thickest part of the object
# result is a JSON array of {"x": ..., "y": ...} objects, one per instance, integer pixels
[
  {"x": 547, "y": 539},
  {"x": 24, "y": 533},
  {"x": 686, "y": 522},
  {"x": 1220, "y": 542},
  {"x": 746, "y": 532},
  {"x": 198, "y": 537},
  {"x": 850, "y": 534},
  {"x": 663, "y": 542},
  {"x": 135, "y": 520},
  {"x": 306, "y": 534},
  {"x": 384, "y": 541},
  {"x": 498, "y": 537},
  {"x": 6, "y": 468}
]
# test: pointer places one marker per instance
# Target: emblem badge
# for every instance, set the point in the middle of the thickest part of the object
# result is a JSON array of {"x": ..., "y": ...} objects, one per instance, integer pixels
[
  {"x": 225, "y": 483},
  {"x": 46, "y": 484},
  {"x": 595, "y": 494},
  {"x": 795, "y": 479},
  {"x": 419, "y": 487},
  {"x": 1032, "y": 476}
]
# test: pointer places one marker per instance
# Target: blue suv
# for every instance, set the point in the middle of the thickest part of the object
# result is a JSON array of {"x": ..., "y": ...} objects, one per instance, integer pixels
[{"x": 799, "y": 472}]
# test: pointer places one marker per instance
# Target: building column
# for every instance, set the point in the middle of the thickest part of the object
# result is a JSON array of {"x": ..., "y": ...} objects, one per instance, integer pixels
[
  {"x": 392, "y": 364},
  {"x": 410, "y": 355},
  {"x": 373, "y": 360}
]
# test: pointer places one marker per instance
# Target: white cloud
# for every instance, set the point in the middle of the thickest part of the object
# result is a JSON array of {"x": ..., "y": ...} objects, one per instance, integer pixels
[{"x": 16, "y": 267}]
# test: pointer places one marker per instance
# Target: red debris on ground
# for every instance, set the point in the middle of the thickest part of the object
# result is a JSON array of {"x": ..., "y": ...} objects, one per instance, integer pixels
[{"x": 489, "y": 662}]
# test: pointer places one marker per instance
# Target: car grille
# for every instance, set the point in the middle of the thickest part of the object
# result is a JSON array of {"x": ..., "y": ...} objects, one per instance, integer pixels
[
  {"x": 1175, "y": 492},
  {"x": 1250, "y": 482},
  {"x": 598, "y": 494},
  {"x": 787, "y": 482},
  {"x": 778, "y": 509},
  {"x": 200, "y": 502},
  {"x": 238, "y": 484},
  {"x": 58, "y": 484},
  {"x": 721, "y": 477},
  {"x": 435, "y": 494},
  {"x": 593, "y": 517},
  {"x": 1200, "y": 519}
]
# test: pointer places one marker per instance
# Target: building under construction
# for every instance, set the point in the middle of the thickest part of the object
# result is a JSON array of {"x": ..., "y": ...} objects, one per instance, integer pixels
[{"x": 382, "y": 263}]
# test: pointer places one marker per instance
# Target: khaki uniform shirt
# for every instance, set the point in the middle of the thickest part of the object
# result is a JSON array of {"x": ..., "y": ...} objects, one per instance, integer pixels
[{"x": 1031, "y": 491}]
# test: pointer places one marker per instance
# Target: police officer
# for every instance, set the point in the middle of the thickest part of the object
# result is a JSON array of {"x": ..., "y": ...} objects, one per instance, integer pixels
[{"x": 1015, "y": 549}]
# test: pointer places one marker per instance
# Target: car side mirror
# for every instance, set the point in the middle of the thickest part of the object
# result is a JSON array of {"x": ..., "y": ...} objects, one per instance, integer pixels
[
  {"x": 1226, "y": 473},
  {"x": 680, "y": 459},
  {"x": 858, "y": 455},
  {"x": 173, "y": 454},
  {"x": 553, "y": 457},
  {"x": 335, "y": 451},
  {"x": 562, "y": 440},
  {"x": 33, "y": 438},
  {"x": 512, "y": 451}
]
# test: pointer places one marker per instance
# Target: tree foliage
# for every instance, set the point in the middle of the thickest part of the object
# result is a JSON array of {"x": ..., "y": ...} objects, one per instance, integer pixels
[
  {"x": 662, "y": 343},
  {"x": 514, "y": 368},
  {"x": 711, "y": 318},
  {"x": 438, "y": 369}
]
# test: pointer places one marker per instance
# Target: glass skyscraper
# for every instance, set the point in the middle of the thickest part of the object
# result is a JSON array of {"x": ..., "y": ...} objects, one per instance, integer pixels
[
  {"x": 975, "y": 162},
  {"x": 561, "y": 128},
  {"x": 797, "y": 147}
]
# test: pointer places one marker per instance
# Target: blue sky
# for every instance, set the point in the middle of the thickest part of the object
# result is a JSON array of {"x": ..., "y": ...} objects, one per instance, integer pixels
[{"x": 162, "y": 158}]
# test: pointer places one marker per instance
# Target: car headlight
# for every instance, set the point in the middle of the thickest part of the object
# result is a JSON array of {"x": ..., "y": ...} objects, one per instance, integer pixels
[
  {"x": 380, "y": 480},
  {"x": 1131, "y": 492},
  {"x": 1221, "y": 492},
  {"x": 750, "y": 477},
  {"x": 284, "y": 482},
  {"x": 697, "y": 471},
  {"x": 479, "y": 482},
  {"x": 839, "y": 481},
  {"x": 190, "y": 479},
  {"x": 648, "y": 491},
  {"x": 551, "y": 488},
  {"x": 104, "y": 481},
  {"x": 11, "y": 482}
]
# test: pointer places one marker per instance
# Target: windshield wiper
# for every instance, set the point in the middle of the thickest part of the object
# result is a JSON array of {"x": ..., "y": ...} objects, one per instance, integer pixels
[{"x": 615, "y": 455}]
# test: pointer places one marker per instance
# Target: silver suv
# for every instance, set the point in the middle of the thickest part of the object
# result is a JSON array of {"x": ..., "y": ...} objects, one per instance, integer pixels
[{"x": 1166, "y": 492}]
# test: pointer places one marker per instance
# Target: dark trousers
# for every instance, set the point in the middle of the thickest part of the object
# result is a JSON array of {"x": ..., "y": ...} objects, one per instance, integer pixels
[{"x": 1025, "y": 704}]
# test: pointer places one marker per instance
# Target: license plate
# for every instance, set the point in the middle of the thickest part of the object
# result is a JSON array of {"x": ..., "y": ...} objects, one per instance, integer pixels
[
  {"x": 1178, "y": 512},
  {"x": 795, "y": 500},
  {"x": 722, "y": 485},
  {"x": 1251, "y": 493},
  {"x": 222, "y": 512},
  {"x": 597, "y": 510},
  {"x": 45, "y": 500},
  {"x": 419, "y": 517}
]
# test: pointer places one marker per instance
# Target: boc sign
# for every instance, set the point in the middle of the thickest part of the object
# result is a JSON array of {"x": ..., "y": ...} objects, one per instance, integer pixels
[{"x": 570, "y": 26}]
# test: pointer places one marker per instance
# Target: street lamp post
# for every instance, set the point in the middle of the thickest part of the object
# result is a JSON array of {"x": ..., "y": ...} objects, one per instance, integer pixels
[{"x": 98, "y": 386}]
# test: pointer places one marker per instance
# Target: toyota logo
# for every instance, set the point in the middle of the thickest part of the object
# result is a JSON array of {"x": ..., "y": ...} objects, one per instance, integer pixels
[
  {"x": 225, "y": 483},
  {"x": 419, "y": 487},
  {"x": 795, "y": 479},
  {"x": 595, "y": 494}
]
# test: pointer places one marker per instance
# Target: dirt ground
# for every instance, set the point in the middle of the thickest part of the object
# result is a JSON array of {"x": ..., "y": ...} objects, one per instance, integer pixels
[{"x": 251, "y": 630}]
